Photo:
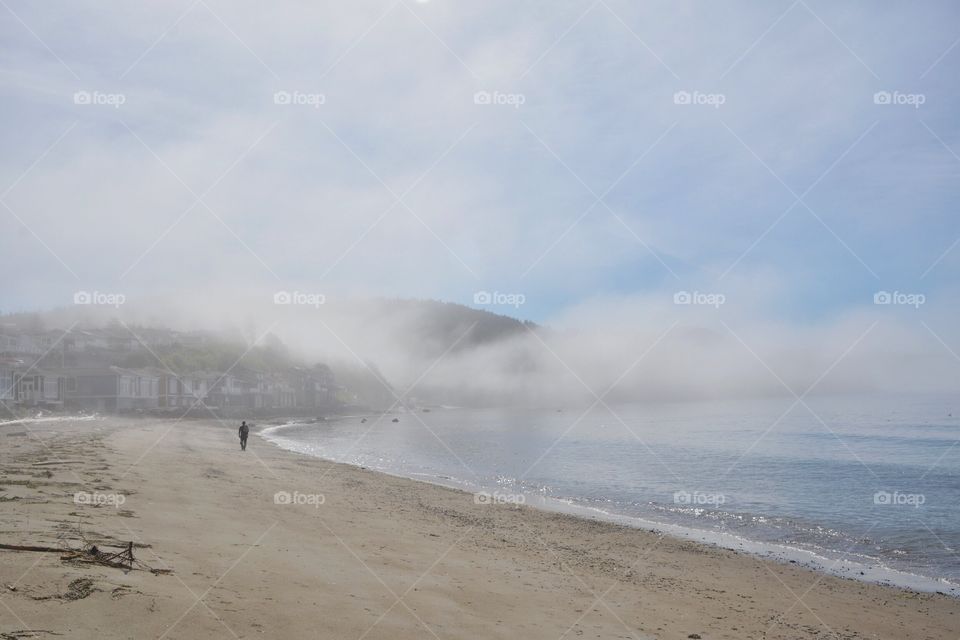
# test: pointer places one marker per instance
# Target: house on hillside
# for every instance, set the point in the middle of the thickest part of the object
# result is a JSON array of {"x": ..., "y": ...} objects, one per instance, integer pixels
[
  {"x": 85, "y": 340},
  {"x": 52, "y": 339},
  {"x": 191, "y": 339},
  {"x": 16, "y": 344},
  {"x": 156, "y": 338},
  {"x": 121, "y": 339},
  {"x": 111, "y": 338}
]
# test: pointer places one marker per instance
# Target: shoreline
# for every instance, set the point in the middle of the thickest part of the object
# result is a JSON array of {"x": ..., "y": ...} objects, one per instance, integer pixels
[
  {"x": 876, "y": 573},
  {"x": 376, "y": 556}
]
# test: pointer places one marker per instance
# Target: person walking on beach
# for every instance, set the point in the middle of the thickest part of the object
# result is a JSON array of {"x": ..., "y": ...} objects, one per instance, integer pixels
[{"x": 244, "y": 432}]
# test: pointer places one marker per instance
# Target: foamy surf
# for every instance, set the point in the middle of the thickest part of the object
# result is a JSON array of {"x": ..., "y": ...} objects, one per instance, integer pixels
[{"x": 83, "y": 418}]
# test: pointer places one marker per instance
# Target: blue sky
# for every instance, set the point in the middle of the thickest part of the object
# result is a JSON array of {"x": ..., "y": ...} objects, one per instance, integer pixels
[{"x": 799, "y": 196}]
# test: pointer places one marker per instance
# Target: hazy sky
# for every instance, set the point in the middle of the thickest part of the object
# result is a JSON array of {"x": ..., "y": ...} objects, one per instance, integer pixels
[{"x": 341, "y": 148}]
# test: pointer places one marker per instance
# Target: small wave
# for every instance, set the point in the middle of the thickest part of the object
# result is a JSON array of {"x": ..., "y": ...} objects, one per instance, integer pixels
[{"x": 78, "y": 418}]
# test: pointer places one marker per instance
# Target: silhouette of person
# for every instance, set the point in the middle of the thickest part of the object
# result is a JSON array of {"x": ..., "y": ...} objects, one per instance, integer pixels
[{"x": 244, "y": 432}]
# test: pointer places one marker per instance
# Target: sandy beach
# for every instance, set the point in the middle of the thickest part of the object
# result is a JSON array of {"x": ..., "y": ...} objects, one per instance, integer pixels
[{"x": 267, "y": 543}]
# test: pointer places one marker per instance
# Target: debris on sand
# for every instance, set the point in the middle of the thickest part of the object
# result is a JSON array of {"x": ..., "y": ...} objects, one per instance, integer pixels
[
  {"x": 44, "y": 463},
  {"x": 76, "y": 590},
  {"x": 22, "y": 547},
  {"x": 118, "y": 557},
  {"x": 122, "y": 559}
]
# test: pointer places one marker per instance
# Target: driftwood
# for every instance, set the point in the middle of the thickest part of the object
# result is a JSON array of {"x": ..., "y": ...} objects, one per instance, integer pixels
[
  {"x": 121, "y": 560},
  {"x": 21, "y": 547},
  {"x": 90, "y": 553}
]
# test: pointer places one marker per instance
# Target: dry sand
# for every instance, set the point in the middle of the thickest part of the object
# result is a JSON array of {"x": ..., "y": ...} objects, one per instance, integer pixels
[{"x": 382, "y": 557}]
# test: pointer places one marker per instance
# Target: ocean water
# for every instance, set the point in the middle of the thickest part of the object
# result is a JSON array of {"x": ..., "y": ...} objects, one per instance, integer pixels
[{"x": 863, "y": 487}]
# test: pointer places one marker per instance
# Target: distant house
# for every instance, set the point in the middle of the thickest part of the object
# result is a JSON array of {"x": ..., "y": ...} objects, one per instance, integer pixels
[
  {"x": 39, "y": 388},
  {"x": 255, "y": 390},
  {"x": 199, "y": 388},
  {"x": 177, "y": 391},
  {"x": 84, "y": 340},
  {"x": 8, "y": 388},
  {"x": 52, "y": 340},
  {"x": 226, "y": 390},
  {"x": 111, "y": 389},
  {"x": 170, "y": 389},
  {"x": 313, "y": 388},
  {"x": 264, "y": 390},
  {"x": 121, "y": 340},
  {"x": 112, "y": 339},
  {"x": 155, "y": 338},
  {"x": 191, "y": 339},
  {"x": 19, "y": 345},
  {"x": 279, "y": 393},
  {"x": 167, "y": 386}
]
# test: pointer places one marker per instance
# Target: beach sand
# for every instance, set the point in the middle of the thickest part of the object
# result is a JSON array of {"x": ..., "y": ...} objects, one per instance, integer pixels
[{"x": 381, "y": 557}]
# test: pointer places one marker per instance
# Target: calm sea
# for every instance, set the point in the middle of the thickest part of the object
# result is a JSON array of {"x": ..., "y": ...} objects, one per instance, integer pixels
[{"x": 867, "y": 488}]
